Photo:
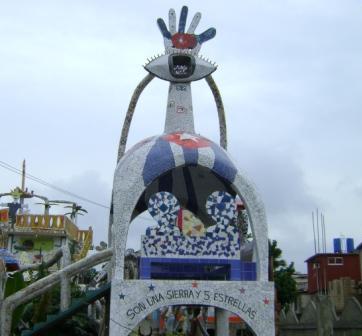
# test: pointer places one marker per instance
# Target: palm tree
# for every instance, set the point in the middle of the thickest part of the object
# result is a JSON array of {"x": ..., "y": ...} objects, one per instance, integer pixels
[
  {"x": 76, "y": 210},
  {"x": 46, "y": 203}
]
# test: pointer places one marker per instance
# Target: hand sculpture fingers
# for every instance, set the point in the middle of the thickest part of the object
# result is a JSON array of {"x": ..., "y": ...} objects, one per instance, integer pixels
[{"x": 179, "y": 39}]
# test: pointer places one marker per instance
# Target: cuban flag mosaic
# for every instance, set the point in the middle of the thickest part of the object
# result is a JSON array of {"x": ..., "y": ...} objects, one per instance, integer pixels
[
  {"x": 174, "y": 162},
  {"x": 166, "y": 239},
  {"x": 162, "y": 156}
]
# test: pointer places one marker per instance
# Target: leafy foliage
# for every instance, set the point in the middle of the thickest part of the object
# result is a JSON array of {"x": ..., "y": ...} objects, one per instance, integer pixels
[
  {"x": 285, "y": 285},
  {"x": 14, "y": 283},
  {"x": 37, "y": 310},
  {"x": 276, "y": 253},
  {"x": 282, "y": 275},
  {"x": 78, "y": 325}
]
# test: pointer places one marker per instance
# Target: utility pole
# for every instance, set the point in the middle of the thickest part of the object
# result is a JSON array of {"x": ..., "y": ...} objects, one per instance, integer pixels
[{"x": 23, "y": 177}]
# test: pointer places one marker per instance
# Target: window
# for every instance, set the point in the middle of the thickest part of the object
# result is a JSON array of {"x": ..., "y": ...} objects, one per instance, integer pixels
[
  {"x": 335, "y": 261},
  {"x": 316, "y": 265}
]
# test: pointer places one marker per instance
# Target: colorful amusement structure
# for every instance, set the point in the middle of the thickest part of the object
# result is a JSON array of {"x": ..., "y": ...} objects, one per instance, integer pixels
[
  {"x": 34, "y": 238},
  {"x": 30, "y": 242},
  {"x": 212, "y": 263}
]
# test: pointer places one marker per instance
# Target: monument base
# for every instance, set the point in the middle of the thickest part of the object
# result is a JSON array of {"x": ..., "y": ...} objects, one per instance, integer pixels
[{"x": 133, "y": 300}]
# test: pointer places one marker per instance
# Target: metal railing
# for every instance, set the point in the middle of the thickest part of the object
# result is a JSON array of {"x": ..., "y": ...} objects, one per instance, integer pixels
[
  {"x": 85, "y": 237},
  {"x": 39, "y": 287},
  {"x": 45, "y": 222},
  {"x": 51, "y": 223}
]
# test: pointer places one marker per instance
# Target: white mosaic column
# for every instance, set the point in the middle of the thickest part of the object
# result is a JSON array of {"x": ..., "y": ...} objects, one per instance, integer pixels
[
  {"x": 221, "y": 322},
  {"x": 179, "y": 116}
]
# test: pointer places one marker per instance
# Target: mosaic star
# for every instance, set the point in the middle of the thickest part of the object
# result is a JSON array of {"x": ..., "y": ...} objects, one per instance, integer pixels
[{"x": 151, "y": 287}]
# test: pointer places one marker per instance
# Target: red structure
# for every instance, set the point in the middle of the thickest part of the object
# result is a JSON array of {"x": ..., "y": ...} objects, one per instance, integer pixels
[{"x": 325, "y": 267}]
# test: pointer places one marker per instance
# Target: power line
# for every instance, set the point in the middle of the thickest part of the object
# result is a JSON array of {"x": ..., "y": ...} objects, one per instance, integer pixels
[
  {"x": 49, "y": 185},
  {"x": 52, "y": 186}
]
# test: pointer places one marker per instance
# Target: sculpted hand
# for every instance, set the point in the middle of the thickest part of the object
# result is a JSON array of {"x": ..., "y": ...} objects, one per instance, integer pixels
[{"x": 179, "y": 39}]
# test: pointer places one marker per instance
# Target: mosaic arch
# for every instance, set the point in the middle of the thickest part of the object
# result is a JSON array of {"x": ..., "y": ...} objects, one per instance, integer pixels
[
  {"x": 129, "y": 185},
  {"x": 125, "y": 293}
]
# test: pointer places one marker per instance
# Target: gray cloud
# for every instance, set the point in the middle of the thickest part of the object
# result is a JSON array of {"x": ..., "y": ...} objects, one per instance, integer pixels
[{"x": 279, "y": 179}]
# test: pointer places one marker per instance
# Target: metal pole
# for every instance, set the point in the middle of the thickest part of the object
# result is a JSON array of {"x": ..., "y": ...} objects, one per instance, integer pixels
[
  {"x": 325, "y": 236},
  {"x": 318, "y": 232},
  {"x": 23, "y": 177},
  {"x": 315, "y": 245}
]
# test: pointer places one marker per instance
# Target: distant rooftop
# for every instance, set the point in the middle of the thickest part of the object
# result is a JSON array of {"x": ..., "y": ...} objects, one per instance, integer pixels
[
  {"x": 359, "y": 247},
  {"x": 331, "y": 254}
]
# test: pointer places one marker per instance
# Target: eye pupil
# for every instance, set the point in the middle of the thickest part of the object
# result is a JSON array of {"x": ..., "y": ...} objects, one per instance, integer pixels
[{"x": 181, "y": 66}]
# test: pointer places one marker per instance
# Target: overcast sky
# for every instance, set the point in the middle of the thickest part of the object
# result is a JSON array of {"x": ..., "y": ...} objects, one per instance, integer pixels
[{"x": 290, "y": 77}]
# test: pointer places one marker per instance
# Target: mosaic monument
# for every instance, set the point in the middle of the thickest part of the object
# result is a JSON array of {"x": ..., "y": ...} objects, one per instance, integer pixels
[{"x": 180, "y": 169}]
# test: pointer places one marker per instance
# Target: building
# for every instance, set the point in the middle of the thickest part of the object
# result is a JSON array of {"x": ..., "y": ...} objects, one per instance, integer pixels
[
  {"x": 303, "y": 296},
  {"x": 34, "y": 238},
  {"x": 359, "y": 251},
  {"x": 326, "y": 267},
  {"x": 336, "y": 274}
]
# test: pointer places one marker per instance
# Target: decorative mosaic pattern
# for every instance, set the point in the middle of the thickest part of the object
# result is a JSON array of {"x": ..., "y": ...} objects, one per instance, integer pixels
[
  {"x": 161, "y": 156},
  {"x": 221, "y": 207},
  {"x": 190, "y": 224},
  {"x": 179, "y": 146},
  {"x": 164, "y": 208},
  {"x": 222, "y": 240},
  {"x": 180, "y": 40}
]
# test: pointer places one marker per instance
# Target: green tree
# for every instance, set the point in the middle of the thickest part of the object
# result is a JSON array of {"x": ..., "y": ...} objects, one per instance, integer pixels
[
  {"x": 14, "y": 283},
  {"x": 282, "y": 275}
]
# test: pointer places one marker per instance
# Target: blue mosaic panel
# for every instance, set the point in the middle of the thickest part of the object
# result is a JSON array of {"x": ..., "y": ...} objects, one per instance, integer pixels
[
  {"x": 159, "y": 160},
  {"x": 221, "y": 207},
  {"x": 164, "y": 208},
  {"x": 169, "y": 268},
  {"x": 221, "y": 240},
  {"x": 222, "y": 164}
]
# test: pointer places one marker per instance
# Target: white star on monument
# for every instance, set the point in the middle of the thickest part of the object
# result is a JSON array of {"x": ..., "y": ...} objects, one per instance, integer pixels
[{"x": 186, "y": 136}]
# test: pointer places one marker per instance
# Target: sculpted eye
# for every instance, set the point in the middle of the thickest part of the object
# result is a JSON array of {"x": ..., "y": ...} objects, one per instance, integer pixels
[{"x": 180, "y": 67}]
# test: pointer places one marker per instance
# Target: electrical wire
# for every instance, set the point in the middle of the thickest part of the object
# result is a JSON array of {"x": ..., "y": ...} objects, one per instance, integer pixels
[
  {"x": 52, "y": 186},
  {"x": 49, "y": 185}
]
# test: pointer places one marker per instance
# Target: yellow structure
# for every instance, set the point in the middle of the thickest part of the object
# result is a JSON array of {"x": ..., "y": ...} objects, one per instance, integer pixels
[{"x": 33, "y": 238}]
